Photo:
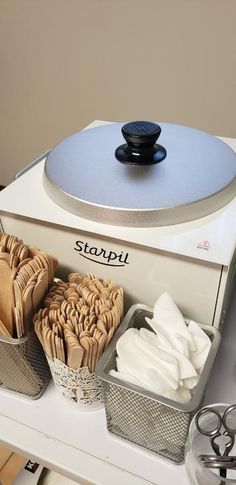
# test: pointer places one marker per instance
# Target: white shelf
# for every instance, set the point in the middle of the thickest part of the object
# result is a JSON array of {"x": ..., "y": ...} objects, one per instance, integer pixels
[{"x": 77, "y": 444}]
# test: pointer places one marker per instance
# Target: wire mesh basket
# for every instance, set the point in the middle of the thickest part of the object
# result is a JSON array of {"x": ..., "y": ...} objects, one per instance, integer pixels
[
  {"x": 151, "y": 421},
  {"x": 23, "y": 365}
]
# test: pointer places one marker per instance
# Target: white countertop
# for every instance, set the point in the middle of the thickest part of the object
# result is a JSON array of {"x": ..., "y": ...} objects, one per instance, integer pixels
[{"x": 77, "y": 444}]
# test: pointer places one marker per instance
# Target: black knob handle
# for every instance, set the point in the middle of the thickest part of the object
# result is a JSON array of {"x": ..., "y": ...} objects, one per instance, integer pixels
[{"x": 141, "y": 147}]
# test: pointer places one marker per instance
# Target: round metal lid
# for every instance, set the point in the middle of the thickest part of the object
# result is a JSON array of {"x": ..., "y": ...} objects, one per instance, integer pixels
[{"x": 196, "y": 177}]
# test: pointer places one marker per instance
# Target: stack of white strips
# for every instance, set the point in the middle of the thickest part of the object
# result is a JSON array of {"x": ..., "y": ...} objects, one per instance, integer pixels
[{"x": 168, "y": 361}]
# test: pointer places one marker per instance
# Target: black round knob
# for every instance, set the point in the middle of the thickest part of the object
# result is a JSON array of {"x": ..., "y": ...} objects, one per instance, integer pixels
[{"x": 141, "y": 147}]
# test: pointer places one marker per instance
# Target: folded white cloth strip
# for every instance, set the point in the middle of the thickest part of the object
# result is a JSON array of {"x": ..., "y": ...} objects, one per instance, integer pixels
[
  {"x": 198, "y": 357},
  {"x": 168, "y": 359},
  {"x": 168, "y": 318}
]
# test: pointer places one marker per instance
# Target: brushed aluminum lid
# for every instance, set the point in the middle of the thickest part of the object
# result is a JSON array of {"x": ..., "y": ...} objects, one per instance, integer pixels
[{"x": 197, "y": 177}]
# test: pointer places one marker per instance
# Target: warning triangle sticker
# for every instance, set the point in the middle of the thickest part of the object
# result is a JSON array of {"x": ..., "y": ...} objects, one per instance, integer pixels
[{"x": 204, "y": 245}]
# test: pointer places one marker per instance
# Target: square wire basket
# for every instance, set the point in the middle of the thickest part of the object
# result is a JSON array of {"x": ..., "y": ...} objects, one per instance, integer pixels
[
  {"x": 142, "y": 417},
  {"x": 23, "y": 365}
]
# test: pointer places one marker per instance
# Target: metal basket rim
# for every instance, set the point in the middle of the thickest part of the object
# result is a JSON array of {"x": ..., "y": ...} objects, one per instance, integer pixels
[{"x": 17, "y": 341}]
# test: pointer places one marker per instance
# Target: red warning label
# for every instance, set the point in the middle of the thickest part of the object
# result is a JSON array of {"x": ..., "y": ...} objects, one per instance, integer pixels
[{"x": 204, "y": 245}]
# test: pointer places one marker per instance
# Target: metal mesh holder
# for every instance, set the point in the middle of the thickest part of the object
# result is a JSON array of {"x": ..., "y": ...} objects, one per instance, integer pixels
[
  {"x": 146, "y": 423},
  {"x": 141, "y": 417},
  {"x": 23, "y": 365}
]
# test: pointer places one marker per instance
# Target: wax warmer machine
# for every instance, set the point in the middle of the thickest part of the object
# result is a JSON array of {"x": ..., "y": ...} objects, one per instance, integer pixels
[{"x": 150, "y": 206}]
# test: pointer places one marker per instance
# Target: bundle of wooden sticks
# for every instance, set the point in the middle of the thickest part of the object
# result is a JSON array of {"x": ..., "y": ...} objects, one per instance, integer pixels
[
  {"x": 26, "y": 273},
  {"x": 79, "y": 319}
]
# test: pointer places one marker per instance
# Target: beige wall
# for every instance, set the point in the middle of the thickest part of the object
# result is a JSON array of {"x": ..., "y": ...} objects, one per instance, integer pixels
[{"x": 65, "y": 63}]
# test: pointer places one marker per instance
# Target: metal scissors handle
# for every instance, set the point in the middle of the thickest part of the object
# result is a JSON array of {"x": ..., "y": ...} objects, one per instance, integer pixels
[{"x": 216, "y": 431}]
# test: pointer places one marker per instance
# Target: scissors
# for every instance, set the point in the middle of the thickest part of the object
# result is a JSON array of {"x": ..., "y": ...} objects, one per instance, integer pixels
[{"x": 219, "y": 460}]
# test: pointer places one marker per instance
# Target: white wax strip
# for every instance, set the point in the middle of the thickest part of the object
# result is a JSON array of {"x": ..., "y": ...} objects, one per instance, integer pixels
[
  {"x": 186, "y": 368},
  {"x": 201, "y": 339},
  {"x": 133, "y": 353},
  {"x": 166, "y": 315},
  {"x": 126, "y": 377},
  {"x": 167, "y": 365},
  {"x": 131, "y": 374},
  {"x": 180, "y": 395},
  {"x": 203, "y": 344}
]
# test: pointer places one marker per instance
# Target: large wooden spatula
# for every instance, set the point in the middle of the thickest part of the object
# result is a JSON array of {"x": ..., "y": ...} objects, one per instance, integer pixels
[{"x": 6, "y": 297}]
